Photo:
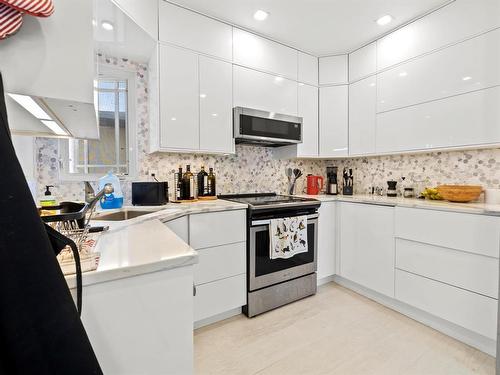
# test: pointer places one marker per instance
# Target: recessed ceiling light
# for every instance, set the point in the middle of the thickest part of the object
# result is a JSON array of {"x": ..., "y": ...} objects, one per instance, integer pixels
[
  {"x": 260, "y": 15},
  {"x": 107, "y": 25},
  {"x": 466, "y": 78},
  {"x": 384, "y": 20},
  {"x": 54, "y": 126}
]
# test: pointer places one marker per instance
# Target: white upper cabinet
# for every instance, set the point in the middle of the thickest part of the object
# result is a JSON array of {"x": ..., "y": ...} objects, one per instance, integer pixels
[
  {"x": 307, "y": 69},
  {"x": 467, "y": 66},
  {"x": 362, "y": 116},
  {"x": 264, "y": 91},
  {"x": 462, "y": 120},
  {"x": 263, "y": 54},
  {"x": 216, "y": 102},
  {"x": 455, "y": 22},
  {"x": 333, "y": 121},
  {"x": 144, "y": 13},
  {"x": 179, "y": 99},
  {"x": 333, "y": 70},
  {"x": 308, "y": 110},
  {"x": 52, "y": 57},
  {"x": 191, "y": 30},
  {"x": 363, "y": 62}
]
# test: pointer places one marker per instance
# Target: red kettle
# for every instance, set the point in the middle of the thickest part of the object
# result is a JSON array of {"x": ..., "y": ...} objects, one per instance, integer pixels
[{"x": 314, "y": 184}]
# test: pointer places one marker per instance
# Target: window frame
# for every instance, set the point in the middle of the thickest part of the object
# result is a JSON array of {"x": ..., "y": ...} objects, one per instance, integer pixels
[{"x": 106, "y": 72}]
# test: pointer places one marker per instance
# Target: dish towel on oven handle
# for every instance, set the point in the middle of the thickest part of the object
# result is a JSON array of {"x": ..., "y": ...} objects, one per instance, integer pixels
[{"x": 288, "y": 237}]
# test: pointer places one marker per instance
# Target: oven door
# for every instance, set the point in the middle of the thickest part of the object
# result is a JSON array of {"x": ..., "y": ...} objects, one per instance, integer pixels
[{"x": 264, "y": 271}]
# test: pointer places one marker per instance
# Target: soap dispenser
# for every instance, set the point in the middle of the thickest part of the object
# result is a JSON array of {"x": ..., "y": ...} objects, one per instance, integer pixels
[{"x": 48, "y": 200}]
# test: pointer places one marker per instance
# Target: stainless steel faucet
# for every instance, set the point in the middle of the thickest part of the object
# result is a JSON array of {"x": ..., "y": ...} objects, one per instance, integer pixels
[{"x": 89, "y": 192}]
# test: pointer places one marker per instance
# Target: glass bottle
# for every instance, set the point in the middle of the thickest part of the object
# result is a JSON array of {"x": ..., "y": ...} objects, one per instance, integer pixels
[
  {"x": 211, "y": 185},
  {"x": 188, "y": 183},
  {"x": 202, "y": 182}
]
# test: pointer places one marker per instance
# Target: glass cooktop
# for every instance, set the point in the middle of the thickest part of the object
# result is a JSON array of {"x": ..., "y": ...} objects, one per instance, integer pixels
[{"x": 266, "y": 199}]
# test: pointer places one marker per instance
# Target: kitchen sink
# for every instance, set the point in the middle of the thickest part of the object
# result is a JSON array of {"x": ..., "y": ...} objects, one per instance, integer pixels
[{"x": 121, "y": 215}]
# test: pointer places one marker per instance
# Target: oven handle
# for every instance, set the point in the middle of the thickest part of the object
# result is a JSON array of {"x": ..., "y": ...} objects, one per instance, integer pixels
[{"x": 267, "y": 222}]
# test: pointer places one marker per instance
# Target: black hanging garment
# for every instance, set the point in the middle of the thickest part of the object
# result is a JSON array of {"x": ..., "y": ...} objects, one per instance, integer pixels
[{"x": 40, "y": 330}]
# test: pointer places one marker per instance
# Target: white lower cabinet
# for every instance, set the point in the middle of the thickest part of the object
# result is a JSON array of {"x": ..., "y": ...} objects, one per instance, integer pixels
[
  {"x": 367, "y": 246},
  {"x": 220, "y": 274},
  {"x": 467, "y": 309},
  {"x": 333, "y": 121},
  {"x": 327, "y": 237},
  {"x": 180, "y": 227},
  {"x": 219, "y": 296}
]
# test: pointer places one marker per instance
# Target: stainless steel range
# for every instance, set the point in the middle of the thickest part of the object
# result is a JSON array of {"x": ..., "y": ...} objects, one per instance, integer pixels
[{"x": 275, "y": 282}]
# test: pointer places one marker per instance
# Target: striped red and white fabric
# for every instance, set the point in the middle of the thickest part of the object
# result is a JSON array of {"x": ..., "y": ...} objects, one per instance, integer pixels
[
  {"x": 37, "y": 8},
  {"x": 11, "y": 21}
]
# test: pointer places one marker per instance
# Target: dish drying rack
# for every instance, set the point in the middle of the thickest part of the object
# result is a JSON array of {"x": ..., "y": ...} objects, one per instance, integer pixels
[{"x": 73, "y": 225}]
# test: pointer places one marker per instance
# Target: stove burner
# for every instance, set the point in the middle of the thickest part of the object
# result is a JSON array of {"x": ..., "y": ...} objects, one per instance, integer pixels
[{"x": 268, "y": 199}]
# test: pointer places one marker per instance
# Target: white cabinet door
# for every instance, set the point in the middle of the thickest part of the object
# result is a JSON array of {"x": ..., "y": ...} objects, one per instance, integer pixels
[
  {"x": 264, "y": 91},
  {"x": 466, "y": 309},
  {"x": 363, "y": 62},
  {"x": 179, "y": 99},
  {"x": 442, "y": 123},
  {"x": 327, "y": 239},
  {"x": 180, "y": 227},
  {"x": 144, "y": 13},
  {"x": 367, "y": 246},
  {"x": 468, "y": 66},
  {"x": 308, "y": 110},
  {"x": 308, "y": 69},
  {"x": 194, "y": 31},
  {"x": 216, "y": 105},
  {"x": 362, "y": 116},
  {"x": 333, "y": 70},
  {"x": 53, "y": 57},
  {"x": 333, "y": 121},
  {"x": 462, "y": 19},
  {"x": 263, "y": 54}
]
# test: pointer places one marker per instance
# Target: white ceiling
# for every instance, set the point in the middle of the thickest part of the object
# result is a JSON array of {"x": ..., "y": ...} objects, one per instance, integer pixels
[{"x": 320, "y": 27}]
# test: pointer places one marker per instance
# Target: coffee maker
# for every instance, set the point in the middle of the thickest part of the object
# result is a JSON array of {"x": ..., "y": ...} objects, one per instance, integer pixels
[{"x": 331, "y": 185}]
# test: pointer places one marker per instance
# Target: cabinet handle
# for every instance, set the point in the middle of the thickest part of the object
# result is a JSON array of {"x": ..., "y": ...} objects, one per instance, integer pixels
[{"x": 194, "y": 290}]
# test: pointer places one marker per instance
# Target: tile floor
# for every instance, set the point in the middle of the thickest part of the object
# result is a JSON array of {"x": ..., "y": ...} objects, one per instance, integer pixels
[{"x": 334, "y": 332}]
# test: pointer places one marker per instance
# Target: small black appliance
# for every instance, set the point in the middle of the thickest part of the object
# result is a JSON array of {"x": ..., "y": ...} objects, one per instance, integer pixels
[
  {"x": 149, "y": 193},
  {"x": 332, "y": 185}
]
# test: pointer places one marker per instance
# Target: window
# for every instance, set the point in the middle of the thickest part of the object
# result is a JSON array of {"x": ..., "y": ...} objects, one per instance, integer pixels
[{"x": 114, "y": 151}]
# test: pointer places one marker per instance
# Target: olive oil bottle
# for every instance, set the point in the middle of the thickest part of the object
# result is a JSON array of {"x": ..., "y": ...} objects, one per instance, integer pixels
[
  {"x": 211, "y": 185},
  {"x": 188, "y": 184}
]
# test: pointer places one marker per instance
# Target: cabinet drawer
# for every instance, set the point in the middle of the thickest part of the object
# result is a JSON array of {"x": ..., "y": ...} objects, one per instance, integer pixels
[
  {"x": 215, "y": 263},
  {"x": 219, "y": 296},
  {"x": 469, "y": 310},
  {"x": 217, "y": 228},
  {"x": 476, "y": 273},
  {"x": 477, "y": 234}
]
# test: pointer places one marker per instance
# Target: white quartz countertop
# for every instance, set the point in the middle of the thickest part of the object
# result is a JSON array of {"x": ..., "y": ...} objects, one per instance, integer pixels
[
  {"x": 472, "y": 208},
  {"x": 145, "y": 244}
]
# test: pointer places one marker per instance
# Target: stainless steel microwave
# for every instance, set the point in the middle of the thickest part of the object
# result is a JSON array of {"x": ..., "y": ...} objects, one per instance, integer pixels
[{"x": 266, "y": 128}]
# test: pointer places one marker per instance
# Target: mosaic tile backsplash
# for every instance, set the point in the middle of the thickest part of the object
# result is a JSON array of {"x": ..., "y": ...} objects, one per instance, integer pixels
[{"x": 254, "y": 169}]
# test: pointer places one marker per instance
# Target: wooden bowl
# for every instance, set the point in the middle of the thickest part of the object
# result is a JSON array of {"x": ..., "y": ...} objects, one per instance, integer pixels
[{"x": 460, "y": 193}]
